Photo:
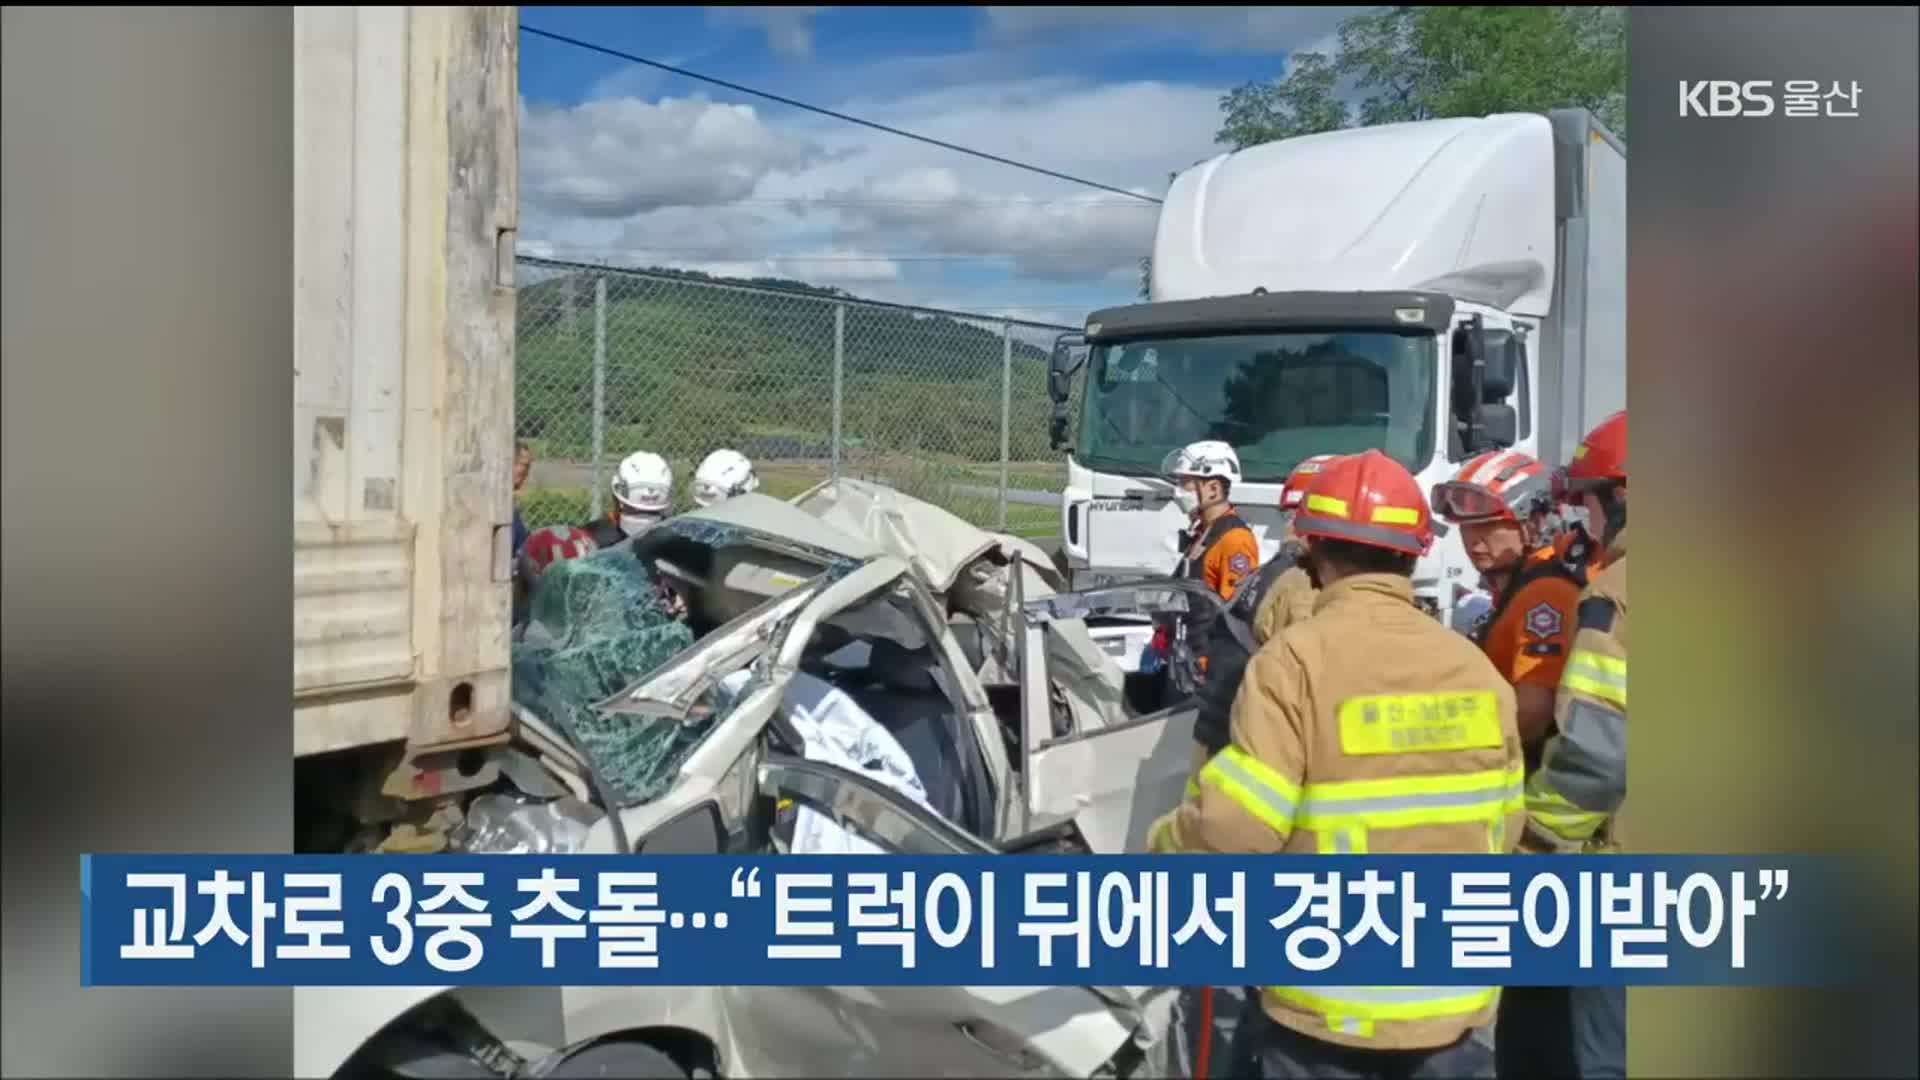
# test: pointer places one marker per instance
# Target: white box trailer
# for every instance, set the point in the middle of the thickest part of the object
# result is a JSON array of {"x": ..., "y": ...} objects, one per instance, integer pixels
[
  {"x": 1583, "y": 344},
  {"x": 405, "y": 197}
]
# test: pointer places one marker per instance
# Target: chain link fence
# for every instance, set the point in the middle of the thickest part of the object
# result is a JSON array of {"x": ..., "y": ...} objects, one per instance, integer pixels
[{"x": 946, "y": 406}]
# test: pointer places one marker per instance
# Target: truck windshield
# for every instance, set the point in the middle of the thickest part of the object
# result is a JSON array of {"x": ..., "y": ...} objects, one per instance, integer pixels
[{"x": 1277, "y": 398}]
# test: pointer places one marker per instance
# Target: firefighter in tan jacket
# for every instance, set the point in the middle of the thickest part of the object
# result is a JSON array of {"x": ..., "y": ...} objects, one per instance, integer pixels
[
  {"x": 1291, "y": 597},
  {"x": 1346, "y": 728},
  {"x": 1277, "y": 595}
]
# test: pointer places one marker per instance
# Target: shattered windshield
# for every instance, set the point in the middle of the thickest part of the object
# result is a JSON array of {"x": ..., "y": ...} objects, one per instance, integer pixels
[{"x": 597, "y": 626}]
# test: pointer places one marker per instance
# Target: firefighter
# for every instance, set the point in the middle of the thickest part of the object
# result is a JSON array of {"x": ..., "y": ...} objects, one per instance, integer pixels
[
  {"x": 1217, "y": 547},
  {"x": 1574, "y": 800},
  {"x": 642, "y": 498},
  {"x": 722, "y": 475},
  {"x": 1346, "y": 726},
  {"x": 1278, "y": 594},
  {"x": 1495, "y": 501},
  {"x": 1290, "y": 597},
  {"x": 1571, "y": 545}
]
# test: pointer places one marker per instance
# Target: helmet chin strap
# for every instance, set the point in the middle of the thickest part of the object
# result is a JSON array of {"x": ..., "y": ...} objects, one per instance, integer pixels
[
  {"x": 634, "y": 524},
  {"x": 1616, "y": 512}
]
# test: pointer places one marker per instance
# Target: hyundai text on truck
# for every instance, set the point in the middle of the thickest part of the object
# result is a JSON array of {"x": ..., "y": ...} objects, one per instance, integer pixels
[{"x": 1429, "y": 289}]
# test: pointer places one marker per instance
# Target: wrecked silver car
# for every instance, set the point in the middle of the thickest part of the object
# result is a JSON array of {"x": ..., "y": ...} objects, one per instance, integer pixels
[{"x": 854, "y": 671}]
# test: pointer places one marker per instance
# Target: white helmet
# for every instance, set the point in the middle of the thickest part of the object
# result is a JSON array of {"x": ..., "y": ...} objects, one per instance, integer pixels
[
  {"x": 724, "y": 474},
  {"x": 643, "y": 484},
  {"x": 1209, "y": 459}
]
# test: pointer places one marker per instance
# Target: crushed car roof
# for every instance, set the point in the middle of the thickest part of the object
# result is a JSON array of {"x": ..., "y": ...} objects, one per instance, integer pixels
[
  {"x": 781, "y": 520},
  {"x": 936, "y": 541}
]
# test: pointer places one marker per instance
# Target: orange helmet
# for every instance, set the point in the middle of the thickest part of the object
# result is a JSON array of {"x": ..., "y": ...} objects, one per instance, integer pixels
[
  {"x": 1295, "y": 488},
  {"x": 1366, "y": 498},
  {"x": 1600, "y": 461},
  {"x": 1499, "y": 485}
]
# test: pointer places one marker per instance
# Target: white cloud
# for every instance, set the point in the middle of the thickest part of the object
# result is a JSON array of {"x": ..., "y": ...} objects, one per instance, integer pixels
[
  {"x": 1126, "y": 134},
  {"x": 1130, "y": 135},
  {"x": 1072, "y": 237},
  {"x": 789, "y": 30},
  {"x": 700, "y": 186},
  {"x": 742, "y": 240},
  {"x": 1234, "y": 29},
  {"x": 843, "y": 267},
  {"x": 617, "y": 157}
]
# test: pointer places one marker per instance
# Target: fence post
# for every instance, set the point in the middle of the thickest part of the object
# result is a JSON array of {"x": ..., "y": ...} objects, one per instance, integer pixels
[
  {"x": 599, "y": 388},
  {"x": 839, "y": 372},
  {"x": 1006, "y": 412}
]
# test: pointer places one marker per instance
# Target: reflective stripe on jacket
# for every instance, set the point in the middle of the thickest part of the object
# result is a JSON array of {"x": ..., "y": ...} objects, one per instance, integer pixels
[
  {"x": 1366, "y": 728},
  {"x": 1576, "y": 799}
]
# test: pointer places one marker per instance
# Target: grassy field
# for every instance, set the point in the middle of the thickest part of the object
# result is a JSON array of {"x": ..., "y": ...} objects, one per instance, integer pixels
[{"x": 689, "y": 366}]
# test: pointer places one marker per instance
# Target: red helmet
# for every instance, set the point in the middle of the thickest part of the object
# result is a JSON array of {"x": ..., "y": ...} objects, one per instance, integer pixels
[
  {"x": 1366, "y": 498},
  {"x": 550, "y": 545},
  {"x": 1499, "y": 485},
  {"x": 1295, "y": 488},
  {"x": 1600, "y": 461}
]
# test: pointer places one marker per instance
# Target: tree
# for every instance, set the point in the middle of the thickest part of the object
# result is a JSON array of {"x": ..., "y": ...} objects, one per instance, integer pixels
[
  {"x": 1303, "y": 103},
  {"x": 1420, "y": 63}
]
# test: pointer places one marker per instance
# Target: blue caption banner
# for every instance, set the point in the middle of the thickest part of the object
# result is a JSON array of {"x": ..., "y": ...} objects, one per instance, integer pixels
[{"x": 892, "y": 920}]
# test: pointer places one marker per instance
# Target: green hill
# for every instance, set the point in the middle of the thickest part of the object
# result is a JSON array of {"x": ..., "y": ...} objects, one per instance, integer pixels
[{"x": 695, "y": 362}]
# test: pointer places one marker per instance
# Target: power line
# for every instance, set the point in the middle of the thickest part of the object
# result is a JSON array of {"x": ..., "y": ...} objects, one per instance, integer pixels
[
  {"x": 755, "y": 256},
  {"x": 736, "y": 87}
]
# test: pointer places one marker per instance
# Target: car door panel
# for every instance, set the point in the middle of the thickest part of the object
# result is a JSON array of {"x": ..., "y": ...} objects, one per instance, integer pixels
[
  {"x": 1115, "y": 783},
  {"x": 962, "y": 1031},
  {"x": 1112, "y": 782},
  {"x": 921, "y": 1030}
]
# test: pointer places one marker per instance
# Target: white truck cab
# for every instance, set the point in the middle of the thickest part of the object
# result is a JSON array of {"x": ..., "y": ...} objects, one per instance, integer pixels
[{"x": 1429, "y": 289}]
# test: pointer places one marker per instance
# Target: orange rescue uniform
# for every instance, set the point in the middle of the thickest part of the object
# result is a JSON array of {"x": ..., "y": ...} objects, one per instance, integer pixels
[
  {"x": 1530, "y": 630},
  {"x": 1226, "y": 553}
]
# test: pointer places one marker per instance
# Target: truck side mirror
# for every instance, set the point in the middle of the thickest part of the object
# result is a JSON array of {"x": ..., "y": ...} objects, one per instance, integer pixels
[
  {"x": 1469, "y": 357},
  {"x": 1486, "y": 369},
  {"x": 1069, "y": 353},
  {"x": 1500, "y": 362},
  {"x": 1494, "y": 428},
  {"x": 1057, "y": 428}
]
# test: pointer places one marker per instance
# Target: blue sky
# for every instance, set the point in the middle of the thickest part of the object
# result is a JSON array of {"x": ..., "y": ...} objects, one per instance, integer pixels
[{"x": 630, "y": 165}]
